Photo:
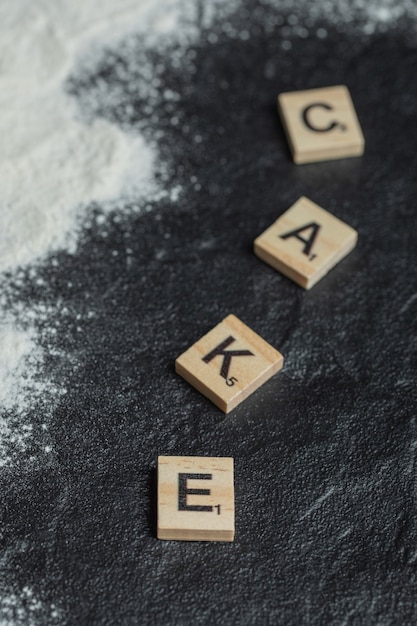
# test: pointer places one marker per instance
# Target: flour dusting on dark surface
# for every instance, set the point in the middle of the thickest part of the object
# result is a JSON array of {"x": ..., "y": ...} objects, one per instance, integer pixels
[{"x": 325, "y": 452}]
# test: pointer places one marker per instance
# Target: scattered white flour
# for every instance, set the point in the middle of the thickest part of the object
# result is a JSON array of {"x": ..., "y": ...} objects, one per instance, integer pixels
[
  {"x": 364, "y": 16},
  {"x": 18, "y": 352},
  {"x": 53, "y": 164},
  {"x": 23, "y": 388},
  {"x": 26, "y": 609}
]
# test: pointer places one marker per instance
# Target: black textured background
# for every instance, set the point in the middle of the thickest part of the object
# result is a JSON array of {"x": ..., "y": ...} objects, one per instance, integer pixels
[{"x": 325, "y": 452}]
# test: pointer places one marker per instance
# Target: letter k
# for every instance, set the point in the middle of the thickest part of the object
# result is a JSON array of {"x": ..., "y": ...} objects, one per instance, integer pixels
[{"x": 226, "y": 354}]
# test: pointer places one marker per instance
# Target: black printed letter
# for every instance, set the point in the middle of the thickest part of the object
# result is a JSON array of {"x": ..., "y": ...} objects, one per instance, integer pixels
[
  {"x": 308, "y": 243},
  {"x": 226, "y": 354},
  {"x": 309, "y": 125},
  {"x": 183, "y": 491}
]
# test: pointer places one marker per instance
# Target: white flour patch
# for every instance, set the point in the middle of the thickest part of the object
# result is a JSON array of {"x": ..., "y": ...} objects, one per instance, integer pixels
[
  {"x": 53, "y": 164},
  {"x": 22, "y": 386},
  {"x": 20, "y": 358},
  {"x": 17, "y": 348}
]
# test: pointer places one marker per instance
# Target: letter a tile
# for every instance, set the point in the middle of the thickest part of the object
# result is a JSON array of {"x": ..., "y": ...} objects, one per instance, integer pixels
[
  {"x": 305, "y": 242},
  {"x": 229, "y": 363},
  {"x": 321, "y": 124},
  {"x": 196, "y": 498}
]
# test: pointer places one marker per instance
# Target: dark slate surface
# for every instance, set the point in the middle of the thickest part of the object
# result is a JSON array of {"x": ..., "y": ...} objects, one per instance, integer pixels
[{"x": 325, "y": 452}]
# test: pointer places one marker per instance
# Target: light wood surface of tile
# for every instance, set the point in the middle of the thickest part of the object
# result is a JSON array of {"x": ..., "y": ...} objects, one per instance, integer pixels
[
  {"x": 229, "y": 363},
  {"x": 305, "y": 242},
  {"x": 321, "y": 124},
  {"x": 186, "y": 515}
]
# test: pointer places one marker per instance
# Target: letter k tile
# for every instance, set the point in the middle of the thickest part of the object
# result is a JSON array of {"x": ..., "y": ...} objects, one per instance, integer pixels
[{"x": 229, "y": 363}]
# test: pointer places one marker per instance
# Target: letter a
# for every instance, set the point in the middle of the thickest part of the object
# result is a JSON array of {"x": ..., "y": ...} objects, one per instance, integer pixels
[{"x": 308, "y": 243}]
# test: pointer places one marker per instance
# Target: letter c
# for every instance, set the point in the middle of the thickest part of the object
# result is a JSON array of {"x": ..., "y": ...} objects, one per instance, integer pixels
[{"x": 309, "y": 125}]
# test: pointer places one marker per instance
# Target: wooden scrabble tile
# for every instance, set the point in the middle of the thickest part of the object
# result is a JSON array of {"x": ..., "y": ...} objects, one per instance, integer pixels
[
  {"x": 196, "y": 498},
  {"x": 229, "y": 363},
  {"x": 321, "y": 124},
  {"x": 305, "y": 242}
]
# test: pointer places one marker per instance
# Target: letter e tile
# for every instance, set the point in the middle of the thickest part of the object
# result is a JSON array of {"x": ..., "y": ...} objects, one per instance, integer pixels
[
  {"x": 321, "y": 124},
  {"x": 229, "y": 363},
  {"x": 196, "y": 498},
  {"x": 305, "y": 242}
]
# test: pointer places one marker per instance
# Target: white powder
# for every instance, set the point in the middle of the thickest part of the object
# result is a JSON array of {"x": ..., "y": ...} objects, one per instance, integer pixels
[
  {"x": 16, "y": 346},
  {"x": 53, "y": 165},
  {"x": 364, "y": 16},
  {"x": 26, "y": 609},
  {"x": 19, "y": 359}
]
